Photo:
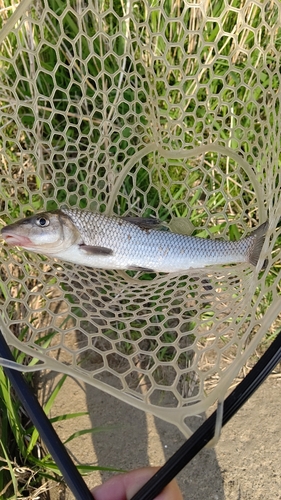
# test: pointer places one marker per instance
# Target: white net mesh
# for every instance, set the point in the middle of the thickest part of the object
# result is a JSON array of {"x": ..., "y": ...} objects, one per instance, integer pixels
[{"x": 145, "y": 108}]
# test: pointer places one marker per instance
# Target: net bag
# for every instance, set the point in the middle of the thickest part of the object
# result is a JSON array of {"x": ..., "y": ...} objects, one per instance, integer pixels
[{"x": 149, "y": 109}]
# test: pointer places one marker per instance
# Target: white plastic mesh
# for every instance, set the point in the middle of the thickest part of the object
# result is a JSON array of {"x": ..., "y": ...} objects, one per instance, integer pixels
[{"x": 148, "y": 108}]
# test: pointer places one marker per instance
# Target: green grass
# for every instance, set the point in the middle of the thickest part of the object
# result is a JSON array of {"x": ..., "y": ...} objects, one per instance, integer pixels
[
  {"x": 80, "y": 121},
  {"x": 21, "y": 446}
]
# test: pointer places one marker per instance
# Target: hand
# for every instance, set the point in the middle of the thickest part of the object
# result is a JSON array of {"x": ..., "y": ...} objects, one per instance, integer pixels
[{"x": 124, "y": 486}]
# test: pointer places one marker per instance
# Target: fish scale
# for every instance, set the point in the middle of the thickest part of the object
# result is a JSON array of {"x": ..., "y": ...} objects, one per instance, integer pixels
[
  {"x": 99, "y": 241},
  {"x": 158, "y": 250}
]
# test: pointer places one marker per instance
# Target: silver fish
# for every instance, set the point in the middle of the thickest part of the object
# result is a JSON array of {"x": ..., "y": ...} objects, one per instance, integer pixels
[{"x": 103, "y": 242}]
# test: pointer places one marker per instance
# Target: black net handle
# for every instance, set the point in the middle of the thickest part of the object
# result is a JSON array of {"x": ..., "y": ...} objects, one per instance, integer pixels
[{"x": 48, "y": 434}]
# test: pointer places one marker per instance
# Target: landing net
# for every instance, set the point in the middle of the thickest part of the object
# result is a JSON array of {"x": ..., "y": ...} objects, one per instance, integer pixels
[{"x": 157, "y": 109}]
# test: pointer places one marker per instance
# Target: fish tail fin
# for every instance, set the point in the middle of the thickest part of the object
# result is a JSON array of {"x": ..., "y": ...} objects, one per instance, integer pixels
[{"x": 258, "y": 237}]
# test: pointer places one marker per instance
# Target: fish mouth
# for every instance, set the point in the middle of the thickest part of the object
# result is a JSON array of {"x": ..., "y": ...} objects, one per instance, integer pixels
[{"x": 16, "y": 239}]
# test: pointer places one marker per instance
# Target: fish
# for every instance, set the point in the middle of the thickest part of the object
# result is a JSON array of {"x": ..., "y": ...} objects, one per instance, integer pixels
[{"x": 128, "y": 243}]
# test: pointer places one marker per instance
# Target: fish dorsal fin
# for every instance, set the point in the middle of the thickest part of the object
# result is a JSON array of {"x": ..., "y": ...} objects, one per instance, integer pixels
[{"x": 143, "y": 222}]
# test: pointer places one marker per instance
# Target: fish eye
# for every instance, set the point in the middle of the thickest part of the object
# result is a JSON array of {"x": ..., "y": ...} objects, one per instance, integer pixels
[{"x": 42, "y": 222}]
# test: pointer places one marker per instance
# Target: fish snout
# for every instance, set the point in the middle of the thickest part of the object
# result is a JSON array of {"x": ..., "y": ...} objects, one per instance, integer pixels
[{"x": 15, "y": 239}]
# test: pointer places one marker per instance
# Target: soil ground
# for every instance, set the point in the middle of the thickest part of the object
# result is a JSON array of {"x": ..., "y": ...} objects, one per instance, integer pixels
[{"x": 245, "y": 464}]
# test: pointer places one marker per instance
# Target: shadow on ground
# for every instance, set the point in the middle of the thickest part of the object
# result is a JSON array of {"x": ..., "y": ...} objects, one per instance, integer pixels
[
  {"x": 244, "y": 465},
  {"x": 131, "y": 439},
  {"x": 140, "y": 440}
]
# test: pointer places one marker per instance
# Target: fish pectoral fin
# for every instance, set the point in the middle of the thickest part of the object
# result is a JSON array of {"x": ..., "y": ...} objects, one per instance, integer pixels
[
  {"x": 139, "y": 268},
  {"x": 143, "y": 222},
  {"x": 96, "y": 250}
]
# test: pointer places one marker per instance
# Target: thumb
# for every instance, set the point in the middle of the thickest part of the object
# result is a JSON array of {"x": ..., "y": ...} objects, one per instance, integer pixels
[{"x": 124, "y": 486}]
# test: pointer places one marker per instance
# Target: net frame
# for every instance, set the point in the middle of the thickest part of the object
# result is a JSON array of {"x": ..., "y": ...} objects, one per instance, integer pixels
[{"x": 143, "y": 109}]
